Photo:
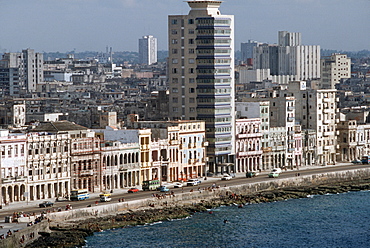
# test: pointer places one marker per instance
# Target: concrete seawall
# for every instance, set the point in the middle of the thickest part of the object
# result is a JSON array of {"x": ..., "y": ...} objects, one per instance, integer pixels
[
  {"x": 183, "y": 199},
  {"x": 197, "y": 196}
]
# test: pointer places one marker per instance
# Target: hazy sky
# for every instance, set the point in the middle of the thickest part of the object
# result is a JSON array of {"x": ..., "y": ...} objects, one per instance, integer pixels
[{"x": 91, "y": 25}]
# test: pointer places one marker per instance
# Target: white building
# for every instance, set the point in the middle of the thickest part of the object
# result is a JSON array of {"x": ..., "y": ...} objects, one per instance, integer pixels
[
  {"x": 148, "y": 50},
  {"x": 333, "y": 69},
  {"x": 13, "y": 167}
]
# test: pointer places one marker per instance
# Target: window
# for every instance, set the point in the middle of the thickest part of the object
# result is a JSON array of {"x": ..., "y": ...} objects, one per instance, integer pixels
[
  {"x": 175, "y": 90},
  {"x": 191, "y": 90},
  {"x": 191, "y": 51},
  {"x": 174, "y": 51},
  {"x": 191, "y": 100},
  {"x": 174, "y": 70},
  {"x": 191, "y": 61},
  {"x": 174, "y": 41},
  {"x": 175, "y": 80},
  {"x": 191, "y": 41},
  {"x": 191, "y": 31},
  {"x": 191, "y": 70},
  {"x": 175, "y": 109},
  {"x": 174, "y": 31},
  {"x": 175, "y": 61},
  {"x": 191, "y": 80},
  {"x": 175, "y": 100},
  {"x": 191, "y": 21},
  {"x": 174, "y": 21}
]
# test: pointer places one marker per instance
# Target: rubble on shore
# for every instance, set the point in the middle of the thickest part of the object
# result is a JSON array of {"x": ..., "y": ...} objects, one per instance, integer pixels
[{"x": 73, "y": 234}]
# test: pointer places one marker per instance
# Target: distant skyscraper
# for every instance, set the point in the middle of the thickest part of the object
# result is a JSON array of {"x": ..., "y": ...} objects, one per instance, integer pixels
[
  {"x": 148, "y": 50},
  {"x": 289, "y": 57},
  {"x": 201, "y": 76},
  {"x": 247, "y": 50},
  {"x": 30, "y": 68}
]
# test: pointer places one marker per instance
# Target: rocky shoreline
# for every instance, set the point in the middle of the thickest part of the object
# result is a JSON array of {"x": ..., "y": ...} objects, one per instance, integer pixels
[{"x": 73, "y": 234}]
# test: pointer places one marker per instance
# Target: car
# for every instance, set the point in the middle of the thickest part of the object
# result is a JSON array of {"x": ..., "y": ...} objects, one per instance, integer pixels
[
  {"x": 163, "y": 189},
  {"x": 193, "y": 182},
  {"x": 226, "y": 177},
  {"x": 251, "y": 174},
  {"x": 273, "y": 175},
  {"x": 178, "y": 185},
  {"x": 132, "y": 190},
  {"x": 356, "y": 161},
  {"x": 46, "y": 204}
]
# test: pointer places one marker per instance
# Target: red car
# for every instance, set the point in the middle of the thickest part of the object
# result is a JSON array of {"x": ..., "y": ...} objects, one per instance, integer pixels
[{"x": 132, "y": 190}]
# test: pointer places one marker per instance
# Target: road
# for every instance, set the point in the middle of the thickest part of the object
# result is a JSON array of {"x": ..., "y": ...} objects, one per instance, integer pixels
[{"x": 33, "y": 207}]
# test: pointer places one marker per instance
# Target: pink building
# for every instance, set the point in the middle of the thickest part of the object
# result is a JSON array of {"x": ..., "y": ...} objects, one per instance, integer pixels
[{"x": 248, "y": 145}]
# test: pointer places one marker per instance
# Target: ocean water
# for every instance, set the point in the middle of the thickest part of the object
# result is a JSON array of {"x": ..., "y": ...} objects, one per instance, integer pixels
[{"x": 340, "y": 220}]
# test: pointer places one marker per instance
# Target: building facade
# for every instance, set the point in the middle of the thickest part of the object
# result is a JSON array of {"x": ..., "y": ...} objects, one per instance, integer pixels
[
  {"x": 201, "y": 74},
  {"x": 148, "y": 50}
]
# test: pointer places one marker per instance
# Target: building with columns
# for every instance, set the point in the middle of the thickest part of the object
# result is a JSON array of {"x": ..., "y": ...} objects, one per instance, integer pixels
[
  {"x": 249, "y": 152},
  {"x": 13, "y": 168}
]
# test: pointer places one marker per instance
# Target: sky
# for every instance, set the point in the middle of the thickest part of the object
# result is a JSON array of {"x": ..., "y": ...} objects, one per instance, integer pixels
[{"x": 92, "y": 25}]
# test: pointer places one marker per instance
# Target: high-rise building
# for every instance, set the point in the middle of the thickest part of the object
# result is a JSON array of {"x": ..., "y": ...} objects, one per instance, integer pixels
[
  {"x": 30, "y": 71},
  {"x": 333, "y": 69},
  {"x": 247, "y": 51},
  {"x": 201, "y": 76},
  {"x": 148, "y": 50},
  {"x": 289, "y": 57}
]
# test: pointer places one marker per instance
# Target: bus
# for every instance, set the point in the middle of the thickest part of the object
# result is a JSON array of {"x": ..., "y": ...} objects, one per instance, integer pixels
[
  {"x": 151, "y": 185},
  {"x": 365, "y": 159},
  {"x": 79, "y": 194}
]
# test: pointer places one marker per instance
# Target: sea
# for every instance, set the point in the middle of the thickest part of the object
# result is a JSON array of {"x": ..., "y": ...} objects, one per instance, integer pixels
[{"x": 333, "y": 220}]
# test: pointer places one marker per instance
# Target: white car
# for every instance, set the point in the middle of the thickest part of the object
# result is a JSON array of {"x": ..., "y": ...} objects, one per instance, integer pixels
[
  {"x": 177, "y": 185},
  {"x": 226, "y": 177},
  {"x": 193, "y": 182}
]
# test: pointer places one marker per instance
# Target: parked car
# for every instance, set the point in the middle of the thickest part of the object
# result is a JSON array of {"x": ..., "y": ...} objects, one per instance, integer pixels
[
  {"x": 178, "y": 185},
  {"x": 356, "y": 161},
  {"x": 274, "y": 175},
  {"x": 132, "y": 190},
  {"x": 46, "y": 204},
  {"x": 163, "y": 188},
  {"x": 251, "y": 174},
  {"x": 226, "y": 177},
  {"x": 193, "y": 182}
]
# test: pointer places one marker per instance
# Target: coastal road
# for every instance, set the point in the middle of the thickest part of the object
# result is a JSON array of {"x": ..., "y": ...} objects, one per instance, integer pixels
[{"x": 33, "y": 207}]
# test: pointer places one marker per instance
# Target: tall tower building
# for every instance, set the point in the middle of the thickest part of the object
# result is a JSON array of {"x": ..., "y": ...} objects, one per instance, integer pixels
[
  {"x": 30, "y": 68},
  {"x": 333, "y": 69},
  {"x": 289, "y": 58},
  {"x": 148, "y": 50},
  {"x": 201, "y": 76}
]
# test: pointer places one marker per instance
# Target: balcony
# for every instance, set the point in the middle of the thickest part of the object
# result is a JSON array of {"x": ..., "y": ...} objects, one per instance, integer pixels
[
  {"x": 249, "y": 153},
  {"x": 290, "y": 108},
  {"x": 174, "y": 142},
  {"x": 328, "y": 134},
  {"x": 249, "y": 135},
  {"x": 266, "y": 149},
  {"x": 86, "y": 172},
  {"x": 8, "y": 180},
  {"x": 290, "y": 119}
]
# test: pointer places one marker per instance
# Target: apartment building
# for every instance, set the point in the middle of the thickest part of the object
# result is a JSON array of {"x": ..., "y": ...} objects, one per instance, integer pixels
[
  {"x": 13, "y": 167},
  {"x": 249, "y": 152},
  {"x": 148, "y": 50},
  {"x": 201, "y": 74},
  {"x": 333, "y": 69}
]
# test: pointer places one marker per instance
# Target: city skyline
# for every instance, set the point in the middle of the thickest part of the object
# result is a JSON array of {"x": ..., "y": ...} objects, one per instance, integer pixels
[{"x": 91, "y": 25}]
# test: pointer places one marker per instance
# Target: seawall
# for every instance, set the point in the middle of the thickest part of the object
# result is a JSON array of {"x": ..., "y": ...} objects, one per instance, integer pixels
[
  {"x": 197, "y": 196},
  {"x": 71, "y": 217}
]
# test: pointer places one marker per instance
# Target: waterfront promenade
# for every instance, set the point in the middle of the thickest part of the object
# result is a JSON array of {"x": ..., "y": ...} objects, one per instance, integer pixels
[{"x": 239, "y": 180}]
